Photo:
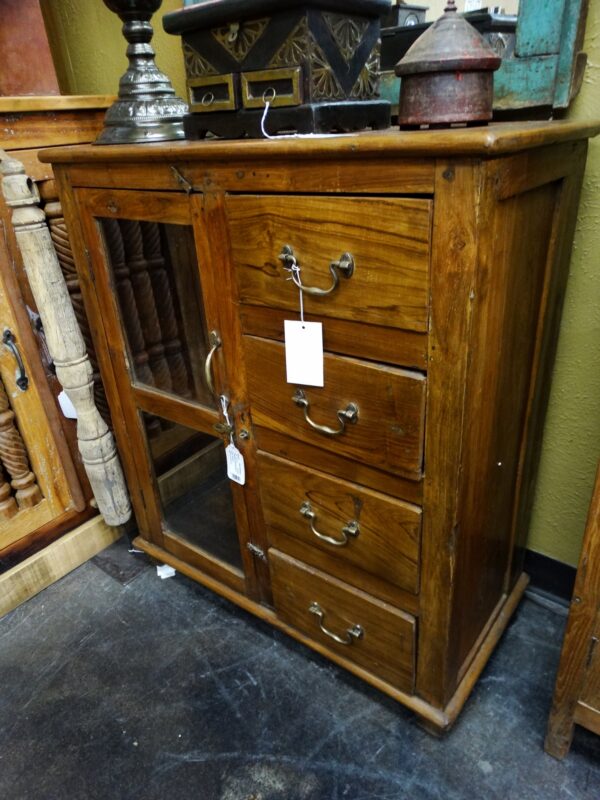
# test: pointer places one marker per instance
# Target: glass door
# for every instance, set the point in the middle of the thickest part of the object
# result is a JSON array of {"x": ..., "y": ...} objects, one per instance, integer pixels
[{"x": 162, "y": 324}]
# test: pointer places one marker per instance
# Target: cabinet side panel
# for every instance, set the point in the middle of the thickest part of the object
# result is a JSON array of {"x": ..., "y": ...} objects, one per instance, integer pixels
[{"x": 516, "y": 259}]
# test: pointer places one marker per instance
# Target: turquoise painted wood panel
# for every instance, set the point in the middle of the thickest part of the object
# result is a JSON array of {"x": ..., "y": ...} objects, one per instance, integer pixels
[
  {"x": 539, "y": 27},
  {"x": 525, "y": 83},
  {"x": 573, "y": 30}
]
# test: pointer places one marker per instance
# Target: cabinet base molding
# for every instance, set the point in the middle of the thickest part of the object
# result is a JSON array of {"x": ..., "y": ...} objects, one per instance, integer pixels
[
  {"x": 435, "y": 721},
  {"x": 54, "y": 562}
]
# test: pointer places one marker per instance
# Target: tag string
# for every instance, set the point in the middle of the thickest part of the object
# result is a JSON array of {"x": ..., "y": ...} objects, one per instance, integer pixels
[
  {"x": 224, "y": 406},
  {"x": 294, "y": 268},
  {"x": 264, "y": 119}
]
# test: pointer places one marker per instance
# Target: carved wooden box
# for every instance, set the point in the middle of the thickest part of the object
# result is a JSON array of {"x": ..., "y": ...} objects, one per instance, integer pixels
[{"x": 316, "y": 62}]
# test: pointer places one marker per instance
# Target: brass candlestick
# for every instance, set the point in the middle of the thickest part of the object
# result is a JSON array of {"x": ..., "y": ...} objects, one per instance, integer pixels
[{"x": 147, "y": 110}]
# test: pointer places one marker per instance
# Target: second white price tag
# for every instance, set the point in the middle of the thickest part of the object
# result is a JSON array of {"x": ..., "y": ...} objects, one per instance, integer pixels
[
  {"x": 236, "y": 470},
  {"x": 304, "y": 352}
]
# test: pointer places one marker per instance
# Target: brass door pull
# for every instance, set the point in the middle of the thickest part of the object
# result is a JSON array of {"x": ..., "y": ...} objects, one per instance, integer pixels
[
  {"x": 351, "y": 529},
  {"x": 345, "y": 266},
  {"x": 348, "y": 414},
  {"x": 352, "y": 634},
  {"x": 9, "y": 340},
  {"x": 215, "y": 342}
]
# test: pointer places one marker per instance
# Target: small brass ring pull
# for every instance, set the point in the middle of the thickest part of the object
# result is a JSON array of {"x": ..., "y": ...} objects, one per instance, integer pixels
[
  {"x": 215, "y": 342},
  {"x": 351, "y": 529},
  {"x": 208, "y": 99},
  {"x": 353, "y": 633},
  {"x": 348, "y": 414},
  {"x": 345, "y": 266},
  {"x": 269, "y": 95}
]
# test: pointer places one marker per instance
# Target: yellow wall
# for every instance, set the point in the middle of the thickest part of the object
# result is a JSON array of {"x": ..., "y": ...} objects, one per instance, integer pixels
[
  {"x": 572, "y": 436},
  {"x": 89, "y": 49}
]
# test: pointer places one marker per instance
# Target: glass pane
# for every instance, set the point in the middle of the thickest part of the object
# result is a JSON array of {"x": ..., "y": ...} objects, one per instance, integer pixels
[
  {"x": 194, "y": 489},
  {"x": 155, "y": 272}
]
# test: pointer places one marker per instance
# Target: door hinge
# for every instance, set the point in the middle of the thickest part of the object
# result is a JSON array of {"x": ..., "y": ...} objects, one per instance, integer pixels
[{"x": 256, "y": 551}]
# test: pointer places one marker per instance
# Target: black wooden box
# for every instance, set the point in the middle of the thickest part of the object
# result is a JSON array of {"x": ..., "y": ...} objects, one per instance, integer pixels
[{"x": 315, "y": 61}]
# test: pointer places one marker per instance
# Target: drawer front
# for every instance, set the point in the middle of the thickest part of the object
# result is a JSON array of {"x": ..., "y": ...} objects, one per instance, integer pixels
[
  {"x": 213, "y": 93},
  {"x": 278, "y": 87},
  {"x": 380, "y": 410},
  {"x": 373, "y": 635},
  {"x": 388, "y": 240},
  {"x": 356, "y": 526}
]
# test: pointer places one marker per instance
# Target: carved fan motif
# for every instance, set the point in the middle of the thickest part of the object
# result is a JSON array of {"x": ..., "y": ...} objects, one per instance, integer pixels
[
  {"x": 347, "y": 32},
  {"x": 294, "y": 49},
  {"x": 325, "y": 85},
  {"x": 195, "y": 65},
  {"x": 367, "y": 84},
  {"x": 240, "y": 37}
]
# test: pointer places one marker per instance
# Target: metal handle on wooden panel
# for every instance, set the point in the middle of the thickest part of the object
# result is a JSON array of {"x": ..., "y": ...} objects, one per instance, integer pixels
[
  {"x": 10, "y": 342},
  {"x": 348, "y": 414},
  {"x": 215, "y": 342},
  {"x": 345, "y": 266},
  {"x": 351, "y": 529},
  {"x": 352, "y": 634}
]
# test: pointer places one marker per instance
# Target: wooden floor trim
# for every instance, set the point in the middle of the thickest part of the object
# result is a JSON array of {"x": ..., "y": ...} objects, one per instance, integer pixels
[{"x": 54, "y": 562}]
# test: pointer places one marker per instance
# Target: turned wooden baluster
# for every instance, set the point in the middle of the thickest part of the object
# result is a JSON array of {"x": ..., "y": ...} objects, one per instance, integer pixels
[
  {"x": 8, "y": 505},
  {"x": 14, "y": 457},
  {"x": 62, "y": 245},
  {"x": 65, "y": 342},
  {"x": 144, "y": 298},
  {"x": 165, "y": 306},
  {"x": 129, "y": 311}
]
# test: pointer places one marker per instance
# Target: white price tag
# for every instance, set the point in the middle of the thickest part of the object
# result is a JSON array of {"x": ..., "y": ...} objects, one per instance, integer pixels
[
  {"x": 473, "y": 5},
  {"x": 304, "y": 352},
  {"x": 235, "y": 464}
]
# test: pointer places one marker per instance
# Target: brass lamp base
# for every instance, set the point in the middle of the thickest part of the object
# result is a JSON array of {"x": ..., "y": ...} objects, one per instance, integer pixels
[{"x": 147, "y": 109}]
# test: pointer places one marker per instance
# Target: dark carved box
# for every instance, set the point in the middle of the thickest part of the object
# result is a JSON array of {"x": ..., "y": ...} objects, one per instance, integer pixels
[{"x": 315, "y": 61}]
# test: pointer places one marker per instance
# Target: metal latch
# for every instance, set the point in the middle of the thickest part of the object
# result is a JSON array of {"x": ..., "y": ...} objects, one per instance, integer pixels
[{"x": 256, "y": 551}]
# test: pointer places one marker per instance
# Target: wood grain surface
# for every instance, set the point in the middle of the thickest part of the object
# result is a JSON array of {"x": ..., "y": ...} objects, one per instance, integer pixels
[
  {"x": 577, "y": 690},
  {"x": 390, "y": 427},
  {"x": 387, "y": 646},
  {"x": 388, "y": 542},
  {"x": 388, "y": 239}
]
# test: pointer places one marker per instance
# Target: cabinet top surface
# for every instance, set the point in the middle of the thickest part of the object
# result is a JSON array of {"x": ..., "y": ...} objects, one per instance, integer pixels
[{"x": 488, "y": 141}]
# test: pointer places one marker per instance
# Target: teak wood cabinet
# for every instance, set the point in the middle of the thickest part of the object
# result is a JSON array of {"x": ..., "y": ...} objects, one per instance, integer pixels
[{"x": 383, "y": 516}]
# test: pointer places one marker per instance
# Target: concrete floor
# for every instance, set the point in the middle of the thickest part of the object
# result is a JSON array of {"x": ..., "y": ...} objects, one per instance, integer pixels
[{"x": 118, "y": 685}]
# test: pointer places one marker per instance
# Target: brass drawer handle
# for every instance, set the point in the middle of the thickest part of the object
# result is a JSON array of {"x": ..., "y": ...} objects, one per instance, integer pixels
[
  {"x": 348, "y": 414},
  {"x": 351, "y": 529},
  {"x": 345, "y": 265},
  {"x": 215, "y": 342},
  {"x": 353, "y": 633}
]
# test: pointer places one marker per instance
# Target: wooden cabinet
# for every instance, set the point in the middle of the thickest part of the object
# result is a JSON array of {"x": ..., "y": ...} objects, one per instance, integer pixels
[
  {"x": 383, "y": 516},
  {"x": 577, "y": 690},
  {"x": 43, "y": 488}
]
